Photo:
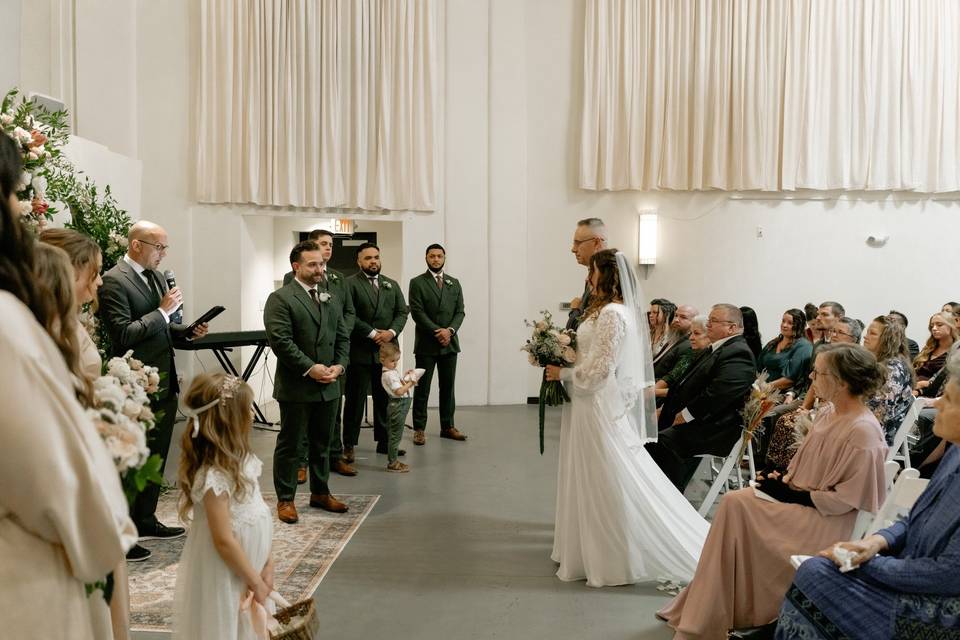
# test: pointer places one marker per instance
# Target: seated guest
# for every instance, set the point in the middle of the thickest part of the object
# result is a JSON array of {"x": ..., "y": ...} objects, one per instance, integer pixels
[
  {"x": 790, "y": 427},
  {"x": 828, "y": 315},
  {"x": 698, "y": 343},
  {"x": 951, "y": 307},
  {"x": 907, "y": 576},
  {"x": 744, "y": 567},
  {"x": 786, "y": 358},
  {"x": 885, "y": 340},
  {"x": 659, "y": 318},
  {"x": 751, "y": 331},
  {"x": 702, "y": 411},
  {"x": 912, "y": 347},
  {"x": 677, "y": 345},
  {"x": 933, "y": 356},
  {"x": 812, "y": 332}
]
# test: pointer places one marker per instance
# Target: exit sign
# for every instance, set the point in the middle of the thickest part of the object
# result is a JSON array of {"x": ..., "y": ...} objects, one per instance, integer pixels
[{"x": 343, "y": 227}]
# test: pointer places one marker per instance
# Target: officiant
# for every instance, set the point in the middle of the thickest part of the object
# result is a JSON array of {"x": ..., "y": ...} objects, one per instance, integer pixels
[
  {"x": 436, "y": 304},
  {"x": 137, "y": 308}
]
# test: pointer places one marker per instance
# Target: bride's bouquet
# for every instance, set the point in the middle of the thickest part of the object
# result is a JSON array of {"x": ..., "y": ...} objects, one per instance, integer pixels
[
  {"x": 550, "y": 344},
  {"x": 122, "y": 415}
]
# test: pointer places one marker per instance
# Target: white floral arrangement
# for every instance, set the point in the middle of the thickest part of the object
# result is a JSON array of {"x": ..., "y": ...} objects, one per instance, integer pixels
[
  {"x": 122, "y": 415},
  {"x": 387, "y": 285},
  {"x": 333, "y": 276},
  {"x": 448, "y": 282},
  {"x": 324, "y": 296}
]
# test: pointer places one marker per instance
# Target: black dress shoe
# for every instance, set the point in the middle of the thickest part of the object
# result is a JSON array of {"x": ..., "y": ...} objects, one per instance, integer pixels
[
  {"x": 383, "y": 449},
  {"x": 161, "y": 532},
  {"x": 138, "y": 554}
]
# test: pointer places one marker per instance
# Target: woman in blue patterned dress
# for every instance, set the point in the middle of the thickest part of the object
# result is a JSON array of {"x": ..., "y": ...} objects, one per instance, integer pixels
[
  {"x": 886, "y": 340},
  {"x": 906, "y": 581}
]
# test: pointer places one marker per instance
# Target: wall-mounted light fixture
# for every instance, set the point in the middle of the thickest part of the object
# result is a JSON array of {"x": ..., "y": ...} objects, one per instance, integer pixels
[{"x": 647, "y": 238}]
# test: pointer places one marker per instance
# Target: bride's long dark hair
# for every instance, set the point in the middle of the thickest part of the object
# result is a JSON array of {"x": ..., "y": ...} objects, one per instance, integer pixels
[{"x": 608, "y": 282}]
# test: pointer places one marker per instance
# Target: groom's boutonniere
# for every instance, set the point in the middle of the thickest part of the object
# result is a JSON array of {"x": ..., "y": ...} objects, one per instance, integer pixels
[
  {"x": 333, "y": 276},
  {"x": 387, "y": 285},
  {"x": 324, "y": 297},
  {"x": 448, "y": 282}
]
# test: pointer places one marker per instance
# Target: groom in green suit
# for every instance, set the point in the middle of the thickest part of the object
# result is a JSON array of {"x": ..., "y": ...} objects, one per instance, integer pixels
[
  {"x": 381, "y": 315},
  {"x": 436, "y": 303},
  {"x": 306, "y": 331},
  {"x": 334, "y": 283}
]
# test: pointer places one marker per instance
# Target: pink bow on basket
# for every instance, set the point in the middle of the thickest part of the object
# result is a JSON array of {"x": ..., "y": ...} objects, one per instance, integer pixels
[{"x": 261, "y": 618}]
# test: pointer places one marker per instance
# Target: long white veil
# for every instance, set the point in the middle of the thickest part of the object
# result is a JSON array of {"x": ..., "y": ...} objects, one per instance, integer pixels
[{"x": 635, "y": 379}]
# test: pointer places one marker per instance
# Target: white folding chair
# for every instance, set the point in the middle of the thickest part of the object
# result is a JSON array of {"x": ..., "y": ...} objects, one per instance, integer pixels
[
  {"x": 906, "y": 490},
  {"x": 866, "y": 518},
  {"x": 730, "y": 463},
  {"x": 900, "y": 449}
]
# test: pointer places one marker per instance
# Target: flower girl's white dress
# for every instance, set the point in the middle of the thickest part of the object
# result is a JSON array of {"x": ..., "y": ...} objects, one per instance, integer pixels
[
  {"x": 208, "y": 594},
  {"x": 619, "y": 519}
]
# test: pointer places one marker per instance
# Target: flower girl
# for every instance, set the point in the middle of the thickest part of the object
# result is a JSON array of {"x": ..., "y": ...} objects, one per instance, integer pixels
[{"x": 228, "y": 550}]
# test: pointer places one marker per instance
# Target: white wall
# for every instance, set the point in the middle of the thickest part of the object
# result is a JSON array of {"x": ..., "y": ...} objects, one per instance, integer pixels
[
  {"x": 9, "y": 45},
  {"x": 509, "y": 201}
]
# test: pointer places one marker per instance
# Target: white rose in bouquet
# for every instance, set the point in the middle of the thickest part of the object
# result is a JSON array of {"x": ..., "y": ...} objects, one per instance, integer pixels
[
  {"x": 22, "y": 135},
  {"x": 26, "y": 208},
  {"x": 569, "y": 355},
  {"x": 117, "y": 367},
  {"x": 563, "y": 339},
  {"x": 132, "y": 409},
  {"x": 153, "y": 382},
  {"x": 39, "y": 184},
  {"x": 6, "y": 119}
]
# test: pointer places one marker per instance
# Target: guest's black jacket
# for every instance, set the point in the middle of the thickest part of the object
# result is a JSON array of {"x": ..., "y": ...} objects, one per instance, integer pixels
[{"x": 714, "y": 392}]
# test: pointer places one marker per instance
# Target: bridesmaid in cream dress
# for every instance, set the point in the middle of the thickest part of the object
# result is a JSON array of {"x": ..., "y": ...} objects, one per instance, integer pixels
[
  {"x": 63, "y": 515},
  {"x": 87, "y": 262}
]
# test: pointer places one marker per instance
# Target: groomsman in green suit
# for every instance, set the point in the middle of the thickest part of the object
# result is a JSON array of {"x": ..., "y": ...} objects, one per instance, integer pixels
[
  {"x": 436, "y": 303},
  {"x": 306, "y": 331},
  {"x": 334, "y": 283},
  {"x": 381, "y": 315}
]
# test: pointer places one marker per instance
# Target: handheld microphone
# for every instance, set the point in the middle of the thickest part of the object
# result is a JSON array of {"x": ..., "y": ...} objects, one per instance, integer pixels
[{"x": 177, "y": 315}]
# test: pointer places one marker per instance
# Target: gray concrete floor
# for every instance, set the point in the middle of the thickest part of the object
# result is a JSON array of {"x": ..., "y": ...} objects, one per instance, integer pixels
[{"x": 460, "y": 546}]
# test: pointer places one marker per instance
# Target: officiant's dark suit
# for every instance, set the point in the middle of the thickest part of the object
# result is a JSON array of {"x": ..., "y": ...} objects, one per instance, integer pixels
[
  {"x": 129, "y": 308},
  {"x": 713, "y": 393},
  {"x": 380, "y": 305},
  {"x": 303, "y": 331},
  {"x": 436, "y": 302}
]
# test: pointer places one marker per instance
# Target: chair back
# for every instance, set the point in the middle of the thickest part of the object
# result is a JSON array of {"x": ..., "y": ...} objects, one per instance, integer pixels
[
  {"x": 900, "y": 449},
  {"x": 900, "y": 500},
  {"x": 865, "y": 518}
]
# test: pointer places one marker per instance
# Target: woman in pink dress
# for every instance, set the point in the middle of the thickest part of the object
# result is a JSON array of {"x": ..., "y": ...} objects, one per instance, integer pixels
[{"x": 744, "y": 569}]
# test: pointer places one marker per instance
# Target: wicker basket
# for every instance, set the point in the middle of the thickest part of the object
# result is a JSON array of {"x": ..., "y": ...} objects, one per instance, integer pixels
[{"x": 307, "y": 629}]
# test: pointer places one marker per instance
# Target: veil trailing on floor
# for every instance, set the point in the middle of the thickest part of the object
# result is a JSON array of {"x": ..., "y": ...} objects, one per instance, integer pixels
[{"x": 634, "y": 374}]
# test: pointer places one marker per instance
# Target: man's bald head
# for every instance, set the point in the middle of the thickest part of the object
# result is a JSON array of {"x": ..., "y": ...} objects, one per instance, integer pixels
[
  {"x": 147, "y": 244},
  {"x": 683, "y": 318}
]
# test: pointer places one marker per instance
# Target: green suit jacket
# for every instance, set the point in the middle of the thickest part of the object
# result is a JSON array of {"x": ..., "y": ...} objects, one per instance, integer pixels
[
  {"x": 336, "y": 285},
  {"x": 302, "y": 333},
  {"x": 383, "y": 309},
  {"x": 433, "y": 308}
]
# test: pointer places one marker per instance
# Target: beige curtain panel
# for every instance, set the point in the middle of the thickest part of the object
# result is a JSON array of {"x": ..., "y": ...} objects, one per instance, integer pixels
[
  {"x": 771, "y": 95},
  {"x": 319, "y": 103}
]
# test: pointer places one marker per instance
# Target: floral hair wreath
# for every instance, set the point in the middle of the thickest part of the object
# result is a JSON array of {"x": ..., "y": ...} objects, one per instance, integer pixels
[{"x": 227, "y": 390}]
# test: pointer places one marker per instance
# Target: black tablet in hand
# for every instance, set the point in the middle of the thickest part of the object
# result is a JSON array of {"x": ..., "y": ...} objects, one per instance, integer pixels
[{"x": 212, "y": 313}]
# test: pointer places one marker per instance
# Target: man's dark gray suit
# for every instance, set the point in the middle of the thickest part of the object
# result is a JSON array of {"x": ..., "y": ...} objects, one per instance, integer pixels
[
  {"x": 130, "y": 312},
  {"x": 713, "y": 392}
]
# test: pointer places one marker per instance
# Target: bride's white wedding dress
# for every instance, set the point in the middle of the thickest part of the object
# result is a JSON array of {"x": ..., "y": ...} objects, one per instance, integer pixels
[{"x": 619, "y": 519}]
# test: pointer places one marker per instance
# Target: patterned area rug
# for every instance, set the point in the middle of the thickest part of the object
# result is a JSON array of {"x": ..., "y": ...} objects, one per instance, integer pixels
[{"x": 303, "y": 554}]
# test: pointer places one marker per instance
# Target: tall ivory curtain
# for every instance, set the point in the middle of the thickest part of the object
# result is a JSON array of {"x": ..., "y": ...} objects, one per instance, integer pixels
[
  {"x": 319, "y": 103},
  {"x": 771, "y": 95}
]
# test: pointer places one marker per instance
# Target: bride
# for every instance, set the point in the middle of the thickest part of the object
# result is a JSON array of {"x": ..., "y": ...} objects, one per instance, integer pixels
[{"x": 619, "y": 519}]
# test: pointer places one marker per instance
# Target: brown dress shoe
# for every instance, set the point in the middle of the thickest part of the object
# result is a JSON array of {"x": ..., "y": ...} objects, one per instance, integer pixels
[
  {"x": 287, "y": 512},
  {"x": 343, "y": 468},
  {"x": 453, "y": 434},
  {"x": 302, "y": 475},
  {"x": 419, "y": 438},
  {"x": 327, "y": 502},
  {"x": 348, "y": 455}
]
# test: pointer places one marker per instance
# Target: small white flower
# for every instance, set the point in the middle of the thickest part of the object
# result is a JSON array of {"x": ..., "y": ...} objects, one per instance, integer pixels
[
  {"x": 22, "y": 135},
  {"x": 563, "y": 339},
  {"x": 448, "y": 282},
  {"x": 6, "y": 119},
  {"x": 333, "y": 276},
  {"x": 387, "y": 285},
  {"x": 33, "y": 155},
  {"x": 324, "y": 296},
  {"x": 26, "y": 207},
  {"x": 39, "y": 184},
  {"x": 569, "y": 355},
  {"x": 24, "y": 180}
]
